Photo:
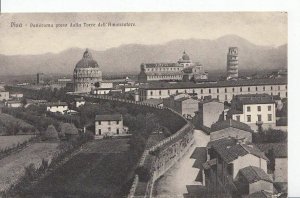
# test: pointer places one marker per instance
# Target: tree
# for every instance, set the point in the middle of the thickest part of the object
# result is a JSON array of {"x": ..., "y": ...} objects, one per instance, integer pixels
[
  {"x": 69, "y": 130},
  {"x": 271, "y": 156},
  {"x": 49, "y": 134}
]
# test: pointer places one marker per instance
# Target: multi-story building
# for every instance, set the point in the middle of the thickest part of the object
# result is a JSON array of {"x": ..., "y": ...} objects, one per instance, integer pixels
[
  {"x": 253, "y": 109},
  {"x": 222, "y": 90},
  {"x": 183, "y": 104},
  {"x": 86, "y": 73},
  {"x": 109, "y": 125},
  {"x": 209, "y": 113},
  {"x": 171, "y": 71}
]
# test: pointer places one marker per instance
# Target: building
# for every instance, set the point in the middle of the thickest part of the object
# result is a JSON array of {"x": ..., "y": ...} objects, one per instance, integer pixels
[
  {"x": 183, "y": 104},
  {"x": 194, "y": 73},
  {"x": 252, "y": 179},
  {"x": 209, "y": 112},
  {"x": 40, "y": 78},
  {"x": 225, "y": 159},
  {"x": 13, "y": 103},
  {"x": 231, "y": 129},
  {"x": 254, "y": 110},
  {"x": 4, "y": 95},
  {"x": 79, "y": 102},
  {"x": 109, "y": 125},
  {"x": 171, "y": 71},
  {"x": 280, "y": 158},
  {"x": 232, "y": 63},
  {"x": 16, "y": 95},
  {"x": 86, "y": 73},
  {"x": 222, "y": 90},
  {"x": 57, "y": 107}
]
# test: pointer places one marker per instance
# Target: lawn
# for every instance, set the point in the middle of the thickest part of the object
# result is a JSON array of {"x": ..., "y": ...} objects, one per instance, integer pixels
[
  {"x": 12, "y": 141},
  {"x": 12, "y": 167},
  {"x": 100, "y": 170}
]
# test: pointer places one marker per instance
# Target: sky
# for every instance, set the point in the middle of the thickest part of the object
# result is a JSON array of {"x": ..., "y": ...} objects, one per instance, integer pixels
[{"x": 260, "y": 28}]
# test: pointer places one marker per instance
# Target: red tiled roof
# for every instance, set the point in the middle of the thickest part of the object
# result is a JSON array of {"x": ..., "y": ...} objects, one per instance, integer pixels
[
  {"x": 253, "y": 174},
  {"x": 230, "y": 123}
]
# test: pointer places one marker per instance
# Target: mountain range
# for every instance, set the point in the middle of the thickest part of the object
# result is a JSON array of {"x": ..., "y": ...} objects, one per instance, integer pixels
[{"x": 127, "y": 58}]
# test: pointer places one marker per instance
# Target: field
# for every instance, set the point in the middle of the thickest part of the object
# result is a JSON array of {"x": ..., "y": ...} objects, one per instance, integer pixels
[
  {"x": 12, "y": 141},
  {"x": 8, "y": 122},
  {"x": 12, "y": 167},
  {"x": 99, "y": 170}
]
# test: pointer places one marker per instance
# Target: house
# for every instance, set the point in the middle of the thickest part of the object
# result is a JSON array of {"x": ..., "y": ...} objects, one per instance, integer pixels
[
  {"x": 279, "y": 152},
  {"x": 109, "y": 125},
  {"x": 254, "y": 110},
  {"x": 252, "y": 179},
  {"x": 13, "y": 103},
  {"x": 183, "y": 104},
  {"x": 79, "y": 102},
  {"x": 16, "y": 95},
  {"x": 57, "y": 107},
  {"x": 231, "y": 128},
  {"x": 4, "y": 95},
  {"x": 209, "y": 113},
  {"x": 225, "y": 158}
]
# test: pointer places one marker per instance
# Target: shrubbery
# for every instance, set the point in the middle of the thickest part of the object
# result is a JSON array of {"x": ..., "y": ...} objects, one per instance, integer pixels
[{"x": 269, "y": 136}]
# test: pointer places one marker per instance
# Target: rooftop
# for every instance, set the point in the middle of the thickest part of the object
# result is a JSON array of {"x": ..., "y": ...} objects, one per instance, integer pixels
[
  {"x": 229, "y": 149},
  {"x": 153, "y": 101},
  {"x": 153, "y": 65},
  {"x": 57, "y": 104},
  {"x": 254, "y": 174},
  {"x": 254, "y": 99},
  {"x": 183, "y": 85},
  {"x": 230, "y": 123},
  {"x": 113, "y": 117}
]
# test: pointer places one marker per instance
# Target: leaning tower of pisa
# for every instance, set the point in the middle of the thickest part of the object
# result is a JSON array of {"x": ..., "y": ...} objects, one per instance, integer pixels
[{"x": 232, "y": 63}]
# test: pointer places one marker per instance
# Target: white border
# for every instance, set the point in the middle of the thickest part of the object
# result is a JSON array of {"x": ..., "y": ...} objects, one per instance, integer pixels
[{"x": 291, "y": 6}]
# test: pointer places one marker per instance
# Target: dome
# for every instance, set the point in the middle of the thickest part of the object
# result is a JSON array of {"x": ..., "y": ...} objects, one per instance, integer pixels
[
  {"x": 185, "y": 56},
  {"x": 87, "y": 61}
]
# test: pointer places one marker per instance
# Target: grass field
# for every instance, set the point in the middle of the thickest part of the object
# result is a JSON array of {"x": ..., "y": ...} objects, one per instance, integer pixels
[
  {"x": 12, "y": 141},
  {"x": 7, "y": 120},
  {"x": 99, "y": 170},
  {"x": 12, "y": 167}
]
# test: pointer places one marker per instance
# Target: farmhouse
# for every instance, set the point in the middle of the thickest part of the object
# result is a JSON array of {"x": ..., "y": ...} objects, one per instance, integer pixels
[{"x": 109, "y": 125}]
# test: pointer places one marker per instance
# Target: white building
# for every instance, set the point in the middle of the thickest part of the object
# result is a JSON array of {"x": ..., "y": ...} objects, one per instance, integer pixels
[
  {"x": 13, "y": 103},
  {"x": 60, "y": 107},
  {"x": 4, "y": 95},
  {"x": 16, "y": 95},
  {"x": 254, "y": 110},
  {"x": 109, "y": 125},
  {"x": 222, "y": 90},
  {"x": 79, "y": 102}
]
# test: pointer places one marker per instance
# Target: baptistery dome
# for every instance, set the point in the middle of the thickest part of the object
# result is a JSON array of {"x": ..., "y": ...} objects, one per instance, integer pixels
[{"x": 86, "y": 73}]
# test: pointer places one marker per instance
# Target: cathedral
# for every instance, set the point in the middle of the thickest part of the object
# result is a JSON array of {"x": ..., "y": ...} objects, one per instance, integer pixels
[{"x": 86, "y": 73}]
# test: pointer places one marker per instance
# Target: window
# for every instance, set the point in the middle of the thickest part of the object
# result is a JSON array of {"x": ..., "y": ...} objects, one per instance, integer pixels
[
  {"x": 218, "y": 90},
  {"x": 248, "y": 89},
  {"x": 238, "y": 118},
  {"x": 241, "y": 89},
  {"x": 264, "y": 88},
  {"x": 248, "y": 118},
  {"x": 248, "y": 109},
  {"x": 255, "y": 88},
  {"x": 232, "y": 89},
  {"x": 259, "y": 118},
  {"x": 209, "y": 90},
  {"x": 269, "y": 117},
  {"x": 108, "y": 122},
  {"x": 117, "y": 121},
  {"x": 271, "y": 87},
  {"x": 218, "y": 97},
  {"x": 99, "y": 122},
  {"x": 168, "y": 92},
  {"x": 225, "y": 97},
  {"x": 278, "y": 87},
  {"x": 99, "y": 131},
  {"x": 117, "y": 131},
  {"x": 159, "y": 92},
  {"x": 258, "y": 108},
  {"x": 225, "y": 90},
  {"x": 201, "y": 91},
  {"x": 151, "y": 93},
  {"x": 269, "y": 108},
  {"x": 109, "y": 129}
]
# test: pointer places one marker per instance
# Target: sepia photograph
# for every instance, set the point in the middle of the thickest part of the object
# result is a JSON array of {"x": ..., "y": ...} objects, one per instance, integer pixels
[{"x": 144, "y": 104}]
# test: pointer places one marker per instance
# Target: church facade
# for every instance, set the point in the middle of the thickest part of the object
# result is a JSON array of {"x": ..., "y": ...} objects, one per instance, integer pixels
[
  {"x": 171, "y": 71},
  {"x": 86, "y": 73}
]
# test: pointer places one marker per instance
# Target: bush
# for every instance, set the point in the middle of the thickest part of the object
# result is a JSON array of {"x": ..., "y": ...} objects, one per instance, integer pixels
[
  {"x": 69, "y": 129},
  {"x": 49, "y": 134}
]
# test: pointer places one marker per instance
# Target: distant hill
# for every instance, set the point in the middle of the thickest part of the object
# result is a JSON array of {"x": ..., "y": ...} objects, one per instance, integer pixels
[{"x": 127, "y": 58}]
